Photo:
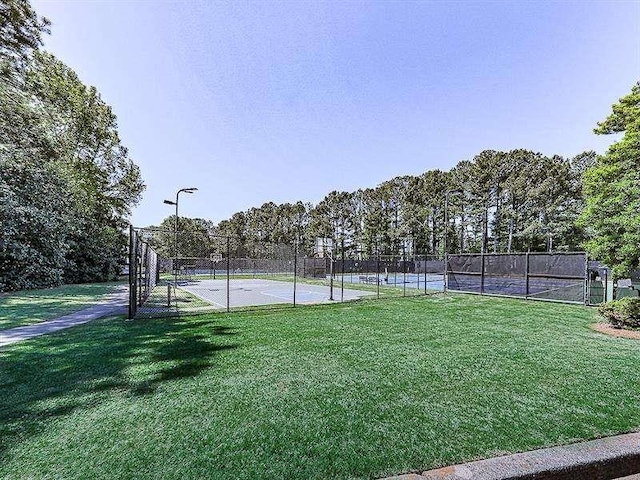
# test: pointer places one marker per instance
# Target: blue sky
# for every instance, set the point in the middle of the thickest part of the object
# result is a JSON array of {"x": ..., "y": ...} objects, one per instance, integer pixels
[{"x": 284, "y": 101}]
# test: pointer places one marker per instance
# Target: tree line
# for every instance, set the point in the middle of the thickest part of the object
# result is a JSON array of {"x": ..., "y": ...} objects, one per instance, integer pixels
[
  {"x": 67, "y": 184},
  {"x": 497, "y": 202}
]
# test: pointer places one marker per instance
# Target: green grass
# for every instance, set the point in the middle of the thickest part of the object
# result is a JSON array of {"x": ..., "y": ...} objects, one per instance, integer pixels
[
  {"x": 34, "y": 306},
  {"x": 356, "y": 390}
]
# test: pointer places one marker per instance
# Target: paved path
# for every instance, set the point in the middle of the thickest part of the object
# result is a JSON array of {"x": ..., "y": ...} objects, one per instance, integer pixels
[
  {"x": 111, "y": 304},
  {"x": 605, "y": 458}
]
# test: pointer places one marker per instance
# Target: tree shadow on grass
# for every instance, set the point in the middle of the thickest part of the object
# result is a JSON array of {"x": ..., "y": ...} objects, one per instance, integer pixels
[
  {"x": 78, "y": 369},
  {"x": 185, "y": 356}
]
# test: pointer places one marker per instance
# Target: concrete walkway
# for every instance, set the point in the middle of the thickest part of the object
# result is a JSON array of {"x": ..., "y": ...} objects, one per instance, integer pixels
[
  {"x": 111, "y": 304},
  {"x": 605, "y": 458}
]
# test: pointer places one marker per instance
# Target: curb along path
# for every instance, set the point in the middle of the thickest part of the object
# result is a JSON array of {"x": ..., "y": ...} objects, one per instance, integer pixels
[
  {"x": 111, "y": 304},
  {"x": 605, "y": 458}
]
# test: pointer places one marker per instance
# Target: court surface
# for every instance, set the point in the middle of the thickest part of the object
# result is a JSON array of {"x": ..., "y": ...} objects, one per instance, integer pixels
[
  {"x": 414, "y": 280},
  {"x": 248, "y": 292}
]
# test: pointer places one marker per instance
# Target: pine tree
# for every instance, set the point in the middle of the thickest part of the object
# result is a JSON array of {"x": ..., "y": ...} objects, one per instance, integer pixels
[{"x": 612, "y": 189}]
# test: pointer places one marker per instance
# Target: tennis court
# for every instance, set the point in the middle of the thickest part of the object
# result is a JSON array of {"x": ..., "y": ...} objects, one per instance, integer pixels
[
  {"x": 411, "y": 280},
  {"x": 253, "y": 292},
  {"x": 550, "y": 289}
]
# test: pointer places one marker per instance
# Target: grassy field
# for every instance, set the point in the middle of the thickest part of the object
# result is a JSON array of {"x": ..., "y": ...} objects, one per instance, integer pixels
[
  {"x": 355, "y": 390},
  {"x": 34, "y": 306}
]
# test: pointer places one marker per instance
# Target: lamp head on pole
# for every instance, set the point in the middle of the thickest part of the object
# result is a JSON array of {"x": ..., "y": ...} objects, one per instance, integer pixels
[{"x": 169, "y": 202}]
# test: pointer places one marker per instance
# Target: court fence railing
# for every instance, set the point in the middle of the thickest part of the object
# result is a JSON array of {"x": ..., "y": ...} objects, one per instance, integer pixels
[{"x": 211, "y": 273}]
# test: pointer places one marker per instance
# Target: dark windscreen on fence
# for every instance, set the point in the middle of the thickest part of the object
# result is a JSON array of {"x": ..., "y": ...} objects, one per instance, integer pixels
[
  {"x": 544, "y": 276},
  {"x": 464, "y": 273}
]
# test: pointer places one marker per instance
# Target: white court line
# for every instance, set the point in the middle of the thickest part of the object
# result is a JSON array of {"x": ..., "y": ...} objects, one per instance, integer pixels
[
  {"x": 574, "y": 285},
  {"x": 208, "y": 300},
  {"x": 290, "y": 297}
]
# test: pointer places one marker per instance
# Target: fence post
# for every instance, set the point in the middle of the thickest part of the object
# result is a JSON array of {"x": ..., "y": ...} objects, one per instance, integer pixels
[
  {"x": 132, "y": 274},
  {"x": 482, "y": 272},
  {"x": 331, "y": 271},
  {"x": 139, "y": 277},
  {"x": 342, "y": 276},
  {"x": 404, "y": 271},
  {"x": 445, "y": 279},
  {"x": 526, "y": 276},
  {"x": 295, "y": 270},
  {"x": 585, "y": 300},
  {"x": 228, "y": 268},
  {"x": 377, "y": 270},
  {"x": 425, "y": 275}
]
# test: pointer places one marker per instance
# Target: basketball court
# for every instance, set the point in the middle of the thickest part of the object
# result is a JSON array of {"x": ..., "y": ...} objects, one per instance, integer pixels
[{"x": 253, "y": 292}]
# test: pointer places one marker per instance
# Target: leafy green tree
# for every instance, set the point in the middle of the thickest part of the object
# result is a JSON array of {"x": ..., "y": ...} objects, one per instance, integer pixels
[
  {"x": 21, "y": 31},
  {"x": 104, "y": 182},
  {"x": 35, "y": 224},
  {"x": 333, "y": 218},
  {"x": 59, "y": 129},
  {"x": 612, "y": 189},
  {"x": 235, "y": 229}
]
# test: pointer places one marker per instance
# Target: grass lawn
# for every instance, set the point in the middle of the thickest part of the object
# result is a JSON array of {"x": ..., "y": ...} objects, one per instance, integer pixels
[
  {"x": 354, "y": 390},
  {"x": 35, "y": 306}
]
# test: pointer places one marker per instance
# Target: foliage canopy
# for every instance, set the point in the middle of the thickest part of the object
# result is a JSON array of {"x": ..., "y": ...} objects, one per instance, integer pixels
[{"x": 66, "y": 181}]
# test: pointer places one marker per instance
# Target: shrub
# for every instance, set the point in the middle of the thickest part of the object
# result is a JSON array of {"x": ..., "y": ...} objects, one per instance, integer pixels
[{"x": 623, "y": 313}]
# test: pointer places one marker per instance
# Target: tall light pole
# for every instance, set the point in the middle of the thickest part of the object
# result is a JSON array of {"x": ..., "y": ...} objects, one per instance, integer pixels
[{"x": 175, "y": 229}]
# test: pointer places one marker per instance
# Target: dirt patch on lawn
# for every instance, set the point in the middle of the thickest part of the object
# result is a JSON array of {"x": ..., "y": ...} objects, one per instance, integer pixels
[{"x": 615, "y": 332}]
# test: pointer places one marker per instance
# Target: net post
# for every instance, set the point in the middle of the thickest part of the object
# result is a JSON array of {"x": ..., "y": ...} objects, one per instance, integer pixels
[
  {"x": 526, "y": 276},
  {"x": 295, "y": 270},
  {"x": 228, "y": 278}
]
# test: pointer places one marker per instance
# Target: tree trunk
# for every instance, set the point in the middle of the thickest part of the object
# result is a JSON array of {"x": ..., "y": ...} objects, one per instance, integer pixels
[
  {"x": 433, "y": 233},
  {"x": 462, "y": 229},
  {"x": 485, "y": 231},
  {"x": 510, "y": 242}
]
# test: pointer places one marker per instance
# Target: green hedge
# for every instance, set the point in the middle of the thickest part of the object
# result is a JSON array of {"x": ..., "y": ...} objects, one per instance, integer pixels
[{"x": 623, "y": 313}]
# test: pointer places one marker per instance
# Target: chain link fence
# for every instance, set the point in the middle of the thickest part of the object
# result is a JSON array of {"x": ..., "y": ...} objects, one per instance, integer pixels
[{"x": 189, "y": 272}]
